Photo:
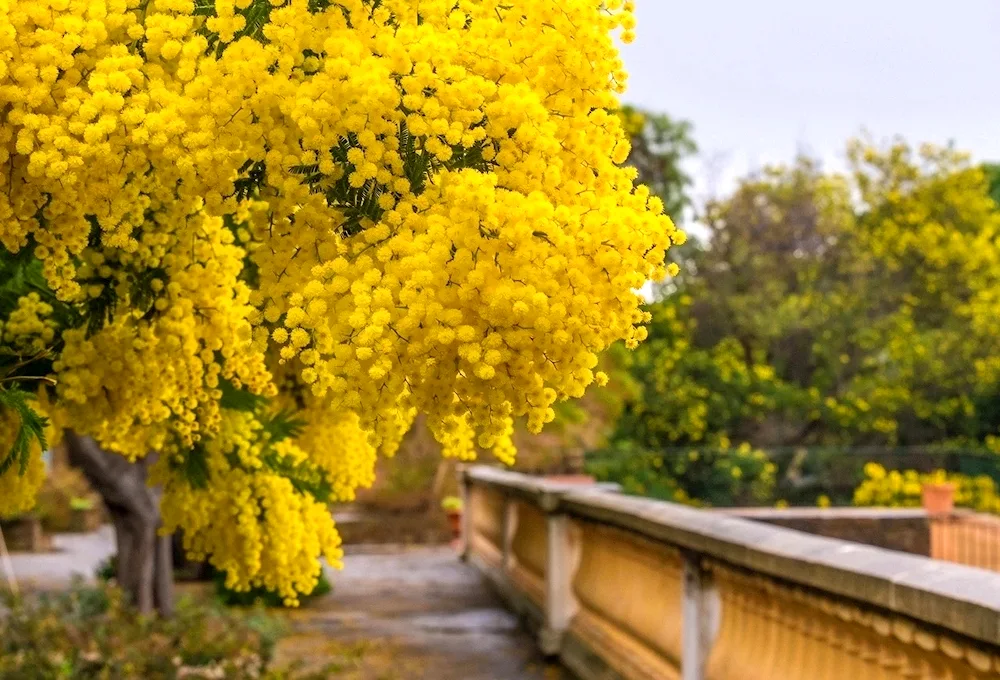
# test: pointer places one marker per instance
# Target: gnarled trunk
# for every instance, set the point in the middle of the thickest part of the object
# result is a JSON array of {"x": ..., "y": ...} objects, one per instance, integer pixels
[{"x": 145, "y": 560}]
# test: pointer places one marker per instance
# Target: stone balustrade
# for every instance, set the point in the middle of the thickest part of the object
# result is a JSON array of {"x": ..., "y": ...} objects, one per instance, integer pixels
[
  {"x": 623, "y": 587},
  {"x": 966, "y": 538}
]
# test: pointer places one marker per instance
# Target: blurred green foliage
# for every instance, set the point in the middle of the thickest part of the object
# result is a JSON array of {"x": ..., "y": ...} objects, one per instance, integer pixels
[
  {"x": 92, "y": 632},
  {"x": 821, "y": 309},
  {"x": 738, "y": 476}
]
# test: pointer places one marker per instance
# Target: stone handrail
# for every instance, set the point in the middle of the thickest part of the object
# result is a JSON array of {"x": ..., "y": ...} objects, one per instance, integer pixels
[{"x": 624, "y": 587}]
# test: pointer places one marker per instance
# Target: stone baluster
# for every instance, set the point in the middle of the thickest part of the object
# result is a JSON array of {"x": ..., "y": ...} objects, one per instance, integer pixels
[
  {"x": 699, "y": 615},
  {"x": 563, "y": 561},
  {"x": 510, "y": 520}
]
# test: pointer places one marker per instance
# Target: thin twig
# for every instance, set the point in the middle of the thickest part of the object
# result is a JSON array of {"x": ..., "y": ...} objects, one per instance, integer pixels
[{"x": 40, "y": 378}]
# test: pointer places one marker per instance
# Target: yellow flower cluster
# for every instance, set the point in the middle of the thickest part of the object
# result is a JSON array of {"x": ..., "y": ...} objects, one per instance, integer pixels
[
  {"x": 152, "y": 375},
  {"x": 480, "y": 292},
  {"x": 28, "y": 328},
  {"x": 341, "y": 450},
  {"x": 439, "y": 212},
  {"x": 17, "y": 491},
  {"x": 396, "y": 206},
  {"x": 458, "y": 440},
  {"x": 245, "y": 517}
]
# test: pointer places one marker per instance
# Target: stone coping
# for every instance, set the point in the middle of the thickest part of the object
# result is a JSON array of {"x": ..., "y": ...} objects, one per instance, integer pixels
[
  {"x": 961, "y": 599},
  {"x": 542, "y": 492},
  {"x": 835, "y": 513},
  {"x": 851, "y": 513}
]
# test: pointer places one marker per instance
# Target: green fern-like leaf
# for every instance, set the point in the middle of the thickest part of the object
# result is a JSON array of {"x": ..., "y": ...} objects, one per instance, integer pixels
[
  {"x": 305, "y": 478},
  {"x": 31, "y": 428},
  {"x": 20, "y": 273},
  {"x": 239, "y": 399},
  {"x": 194, "y": 467},
  {"x": 283, "y": 425}
]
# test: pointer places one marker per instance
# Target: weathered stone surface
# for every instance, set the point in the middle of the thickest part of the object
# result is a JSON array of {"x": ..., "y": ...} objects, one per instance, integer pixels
[
  {"x": 906, "y": 530},
  {"x": 959, "y": 599},
  {"x": 425, "y": 611}
]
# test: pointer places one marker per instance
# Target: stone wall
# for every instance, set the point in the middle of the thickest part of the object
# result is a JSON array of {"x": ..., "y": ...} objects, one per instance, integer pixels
[{"x": 906, "y": 530}]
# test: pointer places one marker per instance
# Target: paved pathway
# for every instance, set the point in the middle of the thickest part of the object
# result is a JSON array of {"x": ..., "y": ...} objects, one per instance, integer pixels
[
  {"x": 400, "y": 613},
  {"x": 425, "y": 616},
  {"x": 72, "y": 555}
]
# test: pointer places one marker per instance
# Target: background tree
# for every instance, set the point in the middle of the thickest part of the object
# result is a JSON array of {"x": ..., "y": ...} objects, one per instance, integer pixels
[
  {"x": 831, "y": 309},
  {"x": 659, "y": 146},
  {"x": 992, "y": 171}
]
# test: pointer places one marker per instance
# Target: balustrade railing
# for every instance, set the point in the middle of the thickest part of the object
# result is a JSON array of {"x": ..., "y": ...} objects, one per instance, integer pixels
[{"x": 625, "y": 587}]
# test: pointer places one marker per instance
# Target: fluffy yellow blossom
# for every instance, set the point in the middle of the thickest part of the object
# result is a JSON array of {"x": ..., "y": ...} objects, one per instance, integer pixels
[
  {"x": 257, "y": 525},
  {"x": 18, "y": 487},
  {"x": 28, "y": 328},
  {"x": 137, "y": 384},
  {"x": 361, "y": 210}
]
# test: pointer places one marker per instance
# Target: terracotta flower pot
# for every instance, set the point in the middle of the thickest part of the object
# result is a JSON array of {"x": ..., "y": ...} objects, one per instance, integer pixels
[
  {"x": 455, "y": 522},
  {"x": 939, "y": 498}
]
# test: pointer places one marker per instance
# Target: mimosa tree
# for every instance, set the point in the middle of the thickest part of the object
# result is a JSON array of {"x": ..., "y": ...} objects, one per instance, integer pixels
[{"x": 256, "y": 237}]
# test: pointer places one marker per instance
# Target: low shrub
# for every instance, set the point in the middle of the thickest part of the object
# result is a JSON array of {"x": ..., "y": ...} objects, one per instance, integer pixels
[
  {"x": 903, "y": 488},
  {"x": 107, "y": 569},
  {"x": 735, "y": 476},
  {"x": 92, "y": 632}
]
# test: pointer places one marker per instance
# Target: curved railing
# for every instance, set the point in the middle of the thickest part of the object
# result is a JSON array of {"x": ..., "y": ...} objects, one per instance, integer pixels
[{"x": 625, "y": 587}]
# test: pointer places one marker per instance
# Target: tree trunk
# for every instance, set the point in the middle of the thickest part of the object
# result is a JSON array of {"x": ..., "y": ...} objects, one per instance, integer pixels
[{"x": 145, "y": 560}]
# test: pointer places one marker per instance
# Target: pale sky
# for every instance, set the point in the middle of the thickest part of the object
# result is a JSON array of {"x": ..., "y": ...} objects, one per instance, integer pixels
[{"x": 761, "y": 79}]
